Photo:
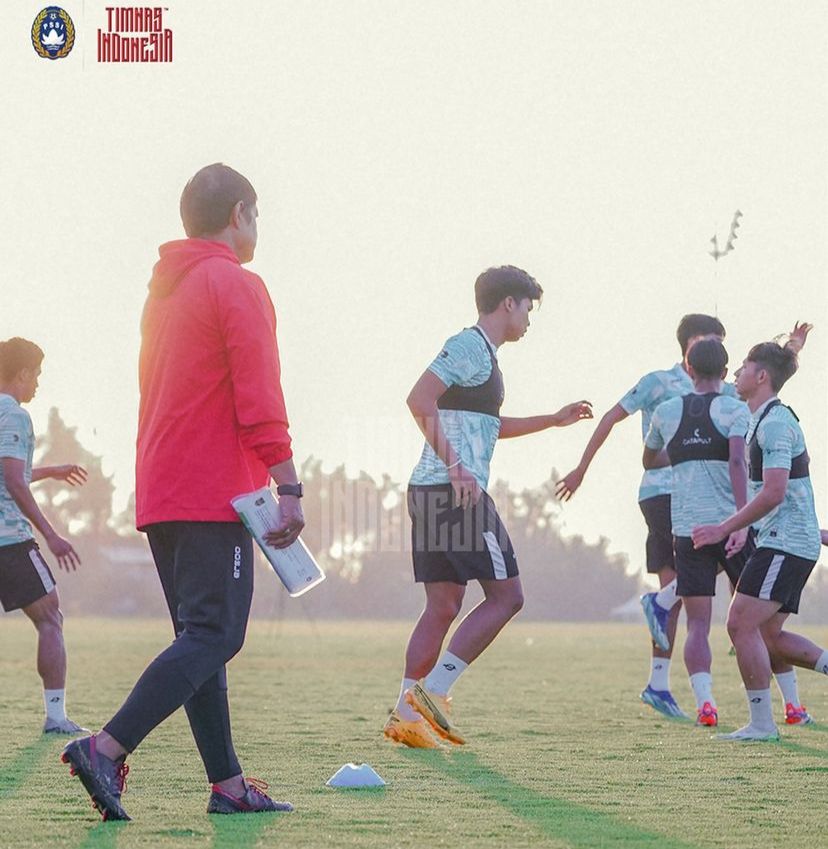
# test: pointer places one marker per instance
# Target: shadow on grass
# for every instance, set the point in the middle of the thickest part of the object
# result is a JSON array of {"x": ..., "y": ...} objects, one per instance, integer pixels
[
  {"x": 787, "y": 743},
  {"x": 242, "y": 831},
  {"x": 104, "y": 835},
  {"x": 576, "y": 825},
  {"x": 14, "y": 773}
]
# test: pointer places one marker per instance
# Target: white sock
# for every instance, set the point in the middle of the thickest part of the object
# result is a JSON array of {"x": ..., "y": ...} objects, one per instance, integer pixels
[
  {"x": 666, "y": 597},
  {"x": 761, "y": 709},
  {"x": 404, "y": 709},
  {"x": 702, "y": 684},
  {"x": 55, "y": 702},
  {"x": 822, "y": 663},
  {"x": 660, "y": 673},
  {"x": 446, "y": 671},
  {"x": 786, "y": 681}
]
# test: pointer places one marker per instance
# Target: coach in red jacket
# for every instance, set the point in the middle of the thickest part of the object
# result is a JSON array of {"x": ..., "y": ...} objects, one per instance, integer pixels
[{"x": 212, "y": 425}]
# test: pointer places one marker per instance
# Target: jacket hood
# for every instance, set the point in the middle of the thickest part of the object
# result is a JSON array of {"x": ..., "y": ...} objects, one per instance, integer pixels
[{"x": 179, "y": 257}]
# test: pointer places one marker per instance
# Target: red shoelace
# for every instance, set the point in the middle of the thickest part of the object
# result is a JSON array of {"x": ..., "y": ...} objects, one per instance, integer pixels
[{"x": 122, "y": 773}]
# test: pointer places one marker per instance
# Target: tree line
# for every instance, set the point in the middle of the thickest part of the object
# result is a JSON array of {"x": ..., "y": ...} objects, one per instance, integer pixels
[{"x": 358, "y": 530}]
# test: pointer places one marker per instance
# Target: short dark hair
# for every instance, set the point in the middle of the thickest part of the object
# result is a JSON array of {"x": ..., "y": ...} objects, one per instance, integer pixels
[
  {"x": 697, "y": 324},
  {"x": 708, "y": 358},
  {"x": 778, "y": 361},
  {"x": 17, "y": 354},
  {"x": 495, "y": 284},
  {"x": 209, "y": 198}
]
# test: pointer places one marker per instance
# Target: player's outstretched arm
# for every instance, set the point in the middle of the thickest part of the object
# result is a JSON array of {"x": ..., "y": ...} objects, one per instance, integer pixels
[
  {"x": 13, "y": 475},
  {"x": 422, "y": 401},
  {"x": 772, "y": 494},
  {"x": 74, "y": 475},
  {"x": 798, "y": 336},
  {"x": 568, "y": 485},
  {"x": 511, "y": 427}
]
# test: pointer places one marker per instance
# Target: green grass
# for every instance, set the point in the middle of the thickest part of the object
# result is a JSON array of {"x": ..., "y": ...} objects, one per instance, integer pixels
[{"x": 561, "y": 753}]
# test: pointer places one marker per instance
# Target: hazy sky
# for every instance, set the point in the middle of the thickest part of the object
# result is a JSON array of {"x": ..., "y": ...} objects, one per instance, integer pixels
[{"x": 398, "y": 148}]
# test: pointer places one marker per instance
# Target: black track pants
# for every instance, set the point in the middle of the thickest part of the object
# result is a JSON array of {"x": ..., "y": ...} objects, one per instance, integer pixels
[{"x": 206, "y": 571}]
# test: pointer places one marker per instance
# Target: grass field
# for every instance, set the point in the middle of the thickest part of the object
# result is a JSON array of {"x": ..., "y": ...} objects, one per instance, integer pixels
[{"x": 561, "y": 752}]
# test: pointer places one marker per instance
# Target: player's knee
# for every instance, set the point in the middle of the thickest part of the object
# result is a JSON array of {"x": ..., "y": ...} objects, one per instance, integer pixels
[
  {"x": 446, "y": 609},
  {"x": 735, "y": 626},
  {"x": 47, "y": 616},
  {"x": 510, "y": 601},
  {"x": 516, "y": 601}
]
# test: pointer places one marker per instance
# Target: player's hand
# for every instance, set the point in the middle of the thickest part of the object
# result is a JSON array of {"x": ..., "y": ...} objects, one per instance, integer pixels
[
  {"x": 572, "y": 413},
  {"x": 466, "y": 488},
  {"x": 736, "y": 542},
  {"x": 291, "y": 522},
  {"x": 74, "y": 475},
  {"x": 67, "y": 557},
  {"x": 707, "y": 535},
  {"x": 823, "y": 535},
  {"x": 798, "y": 336},
  {"x": 568, "y": 486}
]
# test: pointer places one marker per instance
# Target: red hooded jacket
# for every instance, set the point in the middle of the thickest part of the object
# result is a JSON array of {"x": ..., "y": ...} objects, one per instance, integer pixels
[{"x": 212, "y": 415}]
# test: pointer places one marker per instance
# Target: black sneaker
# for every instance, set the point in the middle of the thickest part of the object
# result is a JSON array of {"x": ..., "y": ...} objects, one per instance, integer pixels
[
  {"x": 254, "y": 800},
  {"x": 103, "y": 779}
]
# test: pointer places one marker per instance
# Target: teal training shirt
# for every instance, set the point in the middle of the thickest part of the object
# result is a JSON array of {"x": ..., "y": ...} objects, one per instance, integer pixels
[
  {"x": 653, "y": 389},
  {"x": 16, "y": 442},
  {"x": 464, "y": 361},
  {"x": 793, "y": 526},
  {"x": 701, "y": 490}
]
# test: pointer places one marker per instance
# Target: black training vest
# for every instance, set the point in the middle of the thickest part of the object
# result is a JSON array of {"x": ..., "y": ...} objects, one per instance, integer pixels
[
  {"x": 697, "y": 438},
  {"x": 485, "y": 398},
  {"x": 799, "y": 464}
]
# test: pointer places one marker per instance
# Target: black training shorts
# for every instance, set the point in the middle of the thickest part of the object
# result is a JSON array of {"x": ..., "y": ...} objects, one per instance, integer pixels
[
  {"x": 24, "y": 575},
  {"x": 697, "y": 568},
  {"x": 458, "y": 545},
  {"x": 774, "y": 575}
]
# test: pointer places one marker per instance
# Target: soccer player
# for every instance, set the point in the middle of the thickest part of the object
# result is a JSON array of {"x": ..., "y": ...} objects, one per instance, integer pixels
[
  {"x": 457, "y": 534},
  {"x": 787, "y": 543},
  {"x": 212, "y": 424},
  {"x": 26, "y": 582},
  {"x": 701, "y": 436},
  {"x": 653, "y": 499}
]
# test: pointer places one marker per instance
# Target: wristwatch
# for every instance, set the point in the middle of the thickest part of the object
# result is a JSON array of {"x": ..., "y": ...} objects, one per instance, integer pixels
[{"x": 294, "y": 489}]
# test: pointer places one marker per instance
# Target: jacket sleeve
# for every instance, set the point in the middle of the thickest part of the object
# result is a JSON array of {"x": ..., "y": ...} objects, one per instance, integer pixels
[{"x": 248, "y": 324}]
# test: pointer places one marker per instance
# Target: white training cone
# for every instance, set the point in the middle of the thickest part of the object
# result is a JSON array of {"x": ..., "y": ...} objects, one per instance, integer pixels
[{"x": 351, "y": 775}]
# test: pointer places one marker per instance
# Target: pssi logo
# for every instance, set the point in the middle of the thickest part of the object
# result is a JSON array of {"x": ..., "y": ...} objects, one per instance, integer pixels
[{"x": 53, "y": 33}]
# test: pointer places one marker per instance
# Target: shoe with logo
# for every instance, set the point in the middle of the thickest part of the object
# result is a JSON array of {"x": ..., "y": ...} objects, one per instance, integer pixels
[
  {"x": 103, "y": 778},
  {"x": 254, "y": 801},
  {"x": 663, "y": 702},
  {"x": 749, "y": 734},
  {"x": 416, "y": 734},
  {"x": 656, "y": 617},
  {"x": 436, "y": 710},
  {"x": 797, "y": 715},
  {"x": 63, "y": 726},
  {"x": 707, "y": 715}
]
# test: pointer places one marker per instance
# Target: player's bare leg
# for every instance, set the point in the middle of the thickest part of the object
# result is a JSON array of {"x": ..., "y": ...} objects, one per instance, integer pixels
[
  {"x": 745, "y": 619},
  {"x": 502, "y": 601},
  {"x": 51, "y": 662}
]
